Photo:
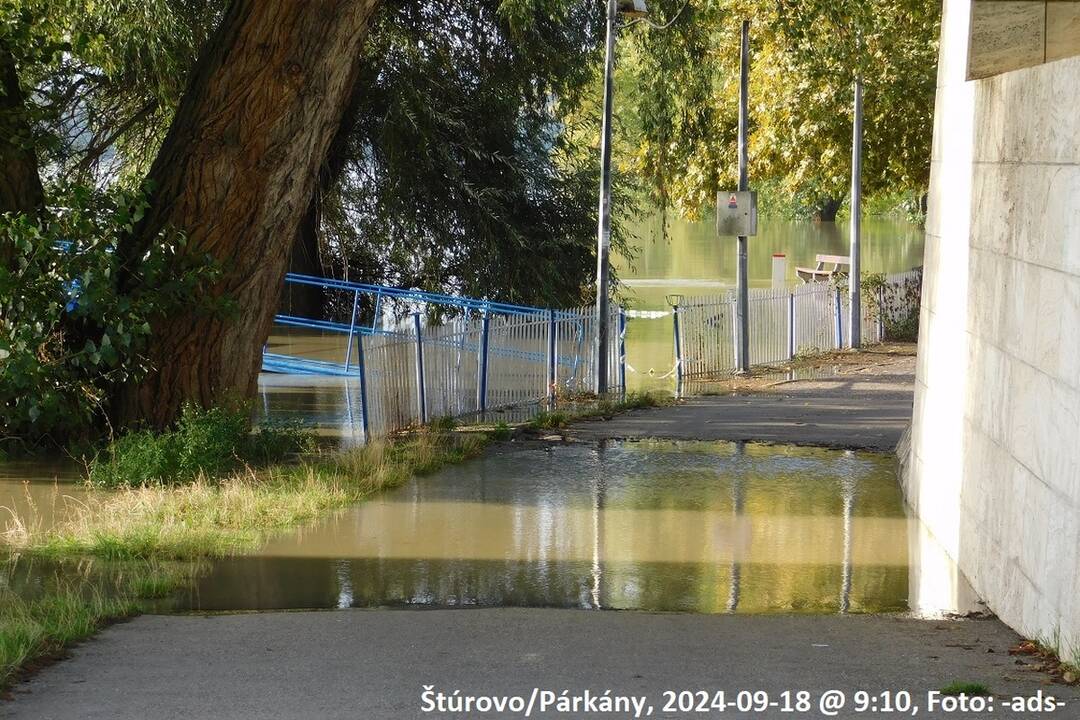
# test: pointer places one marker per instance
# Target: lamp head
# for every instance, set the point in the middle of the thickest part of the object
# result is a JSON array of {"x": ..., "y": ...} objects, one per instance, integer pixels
[{"x": 633, "y": 8}]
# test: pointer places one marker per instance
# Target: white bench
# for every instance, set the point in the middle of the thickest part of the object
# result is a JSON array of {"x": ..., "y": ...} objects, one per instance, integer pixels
[{"x": 841, "y": 265}]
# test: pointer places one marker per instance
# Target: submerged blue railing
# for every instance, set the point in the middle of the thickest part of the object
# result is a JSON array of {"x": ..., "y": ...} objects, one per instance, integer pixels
[{"x": 487, "y": 354}]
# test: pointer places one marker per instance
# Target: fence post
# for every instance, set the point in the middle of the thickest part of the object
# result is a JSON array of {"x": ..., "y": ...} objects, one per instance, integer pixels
[
  {"x": 791, "y": 326},
  {"x": 352, "y": 329},
  {"x": 881, "y": 313},
  {"x": 622, "y": 351},
  {"x": 421, "y": 390},
  {"x": 553, "y": 360},
  {"x": 362, "y": 367},
  {"x": 839, "y": 323},
  {"x": 482, "y": 366},
  {"x": 678, "y": 352}
]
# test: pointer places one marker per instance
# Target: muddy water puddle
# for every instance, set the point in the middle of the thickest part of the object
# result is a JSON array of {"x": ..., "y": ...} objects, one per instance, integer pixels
[
  {"x": 698, "y": 527},
  {"x": 38, "y": 493}
]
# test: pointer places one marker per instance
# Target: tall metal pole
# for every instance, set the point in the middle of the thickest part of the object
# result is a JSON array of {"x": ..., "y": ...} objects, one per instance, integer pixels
[
  {"x": 742, "y": 305},
  {"x": 604, "y": 234},
  {"x": 855, "y": 279}
]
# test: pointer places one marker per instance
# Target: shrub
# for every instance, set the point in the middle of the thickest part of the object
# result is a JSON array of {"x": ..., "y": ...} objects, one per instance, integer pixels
[
  {"x": 205, "y": 443},
  {"x": 70, "y": 331}
]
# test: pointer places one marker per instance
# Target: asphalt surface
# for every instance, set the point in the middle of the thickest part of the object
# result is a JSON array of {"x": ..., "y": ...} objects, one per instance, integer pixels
[
  {"x": 858, "y": 407},
  {"x": 374, "y": 664}
]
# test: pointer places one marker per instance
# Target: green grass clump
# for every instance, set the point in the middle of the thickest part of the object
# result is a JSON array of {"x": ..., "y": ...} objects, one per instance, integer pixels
[
  {"x": 37, "y": 629},
  {"x": 502, "y": 431},
  {"x": 549, "y": 420},
  {"x": 965, "y": 688},
  {"x": 205, "y": 443},
  {"x": 445, "y": 423}
]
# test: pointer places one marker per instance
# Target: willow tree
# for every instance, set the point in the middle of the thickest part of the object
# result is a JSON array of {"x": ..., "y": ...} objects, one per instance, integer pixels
[
  {"x": 682, "y": 90},
  {"x": 235, "y": 174}
]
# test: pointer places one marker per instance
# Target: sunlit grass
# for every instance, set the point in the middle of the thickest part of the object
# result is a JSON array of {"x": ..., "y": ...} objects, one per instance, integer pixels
[
  {"x": 215, "y": 517},
  {"x": 31, "y": 630},
  {"x": 965, "y": 688},
  {"x": 554, "y": 419}
]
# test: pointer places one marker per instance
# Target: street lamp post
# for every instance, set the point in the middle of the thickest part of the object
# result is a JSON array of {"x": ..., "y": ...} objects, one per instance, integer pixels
[{"x": 603, "y": 240}]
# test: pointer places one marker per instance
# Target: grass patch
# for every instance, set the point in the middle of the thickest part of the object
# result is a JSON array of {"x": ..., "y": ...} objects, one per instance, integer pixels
[
  {"x": 134, "y": 528},
  {"x": 549, "y": 420},
  {"x": 205, "y": 443},
  {"x": 40, "y": 629},
  {"x": 965, "y": 688},
  {"x": 502, "y": 431},
  {"x": 210, "y": 517},
  {"x": 554, "y": 419}
]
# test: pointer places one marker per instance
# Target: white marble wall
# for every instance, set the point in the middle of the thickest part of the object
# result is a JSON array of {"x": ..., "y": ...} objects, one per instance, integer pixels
[
  {"x": 994, "y": 465},
  {"x": 1012, "y": 34}
]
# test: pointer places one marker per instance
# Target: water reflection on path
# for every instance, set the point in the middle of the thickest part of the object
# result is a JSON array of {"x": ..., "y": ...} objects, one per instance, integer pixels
[{"x": 703, "y": 527}]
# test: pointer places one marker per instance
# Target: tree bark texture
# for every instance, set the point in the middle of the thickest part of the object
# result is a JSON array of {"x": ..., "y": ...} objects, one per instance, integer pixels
[
  {"x": 827, "y": 210},
  {"x": 236, "y": 173},
  {"x": 20, "y": 183},
  {"x": 306, "y": 255}
]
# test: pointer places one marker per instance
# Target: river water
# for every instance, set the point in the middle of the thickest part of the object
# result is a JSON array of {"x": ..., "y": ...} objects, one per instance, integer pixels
[{"x": 690, "y": 260}]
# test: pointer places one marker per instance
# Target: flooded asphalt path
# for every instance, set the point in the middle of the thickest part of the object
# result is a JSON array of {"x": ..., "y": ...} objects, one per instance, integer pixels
[{"x": 821, "y": 547}]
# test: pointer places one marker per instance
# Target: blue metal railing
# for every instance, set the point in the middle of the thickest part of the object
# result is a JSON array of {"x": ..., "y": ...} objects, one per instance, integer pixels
[{"x": 282, "y": 363}]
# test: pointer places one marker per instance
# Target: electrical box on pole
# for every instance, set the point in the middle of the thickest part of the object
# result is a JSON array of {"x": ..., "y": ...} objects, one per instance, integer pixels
[{"x": 736, "y": 214}]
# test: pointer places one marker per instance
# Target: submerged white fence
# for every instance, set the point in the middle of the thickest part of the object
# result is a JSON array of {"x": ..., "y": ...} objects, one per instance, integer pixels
[
  {"x": 492, "y": 359},
  {"x": 477, "y": 363},
  {"x": 785, "y": 323}
]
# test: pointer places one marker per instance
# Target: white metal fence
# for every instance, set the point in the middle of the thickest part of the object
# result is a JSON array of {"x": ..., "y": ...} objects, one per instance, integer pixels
[
  {"x": 784, "y": 323},
  {"x": 475, "y": 364}
]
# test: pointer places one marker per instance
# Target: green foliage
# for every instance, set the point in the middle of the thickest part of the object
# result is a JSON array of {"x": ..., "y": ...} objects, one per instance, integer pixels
[
  {"x": 965, "y": 688},
  {"x": 897, "y": 304},
  {"x": 104, "y": 78},
  {"x": 32, "y": 629},
  {"x": 683, "y": 86},
  {"x": 446, "y": 423},
  {"x": 502, "y": 431},
  {"x": 467, "y": 166},
  {"x": 206, "y": 443},
  {"x": 68, "y": 332},
  {"x": 549, "y": 420}
]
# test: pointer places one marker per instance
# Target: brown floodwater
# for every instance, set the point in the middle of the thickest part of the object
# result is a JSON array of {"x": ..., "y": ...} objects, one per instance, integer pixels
[
  {"x": 699, "y": 527},
  {"x": 708, "y": 527},
  {"x": 38, "y": 493}
]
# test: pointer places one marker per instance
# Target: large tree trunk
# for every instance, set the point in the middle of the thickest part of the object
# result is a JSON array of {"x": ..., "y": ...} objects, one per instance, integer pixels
[
  {"x": 827, "y": 209},
  {"x": 305, "y": 258},
  {"x": 236, "y": 174},
  {"x": 20, "y": 184},
  {"x": 305, "y": 300}
]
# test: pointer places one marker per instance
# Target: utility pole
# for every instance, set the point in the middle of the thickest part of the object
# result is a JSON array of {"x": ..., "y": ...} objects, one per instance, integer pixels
[
  {"x": 855, "y": 278},
  {"x": 604, "y": 234},
  {"x": 742, "y": 301}
]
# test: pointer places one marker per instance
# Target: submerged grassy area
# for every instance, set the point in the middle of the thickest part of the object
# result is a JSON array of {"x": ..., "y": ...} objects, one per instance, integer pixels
[
  {"x": 179, "y": 497},
  {"x": 137, "y": 527},
  {"x": 212, "y": 517}
]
